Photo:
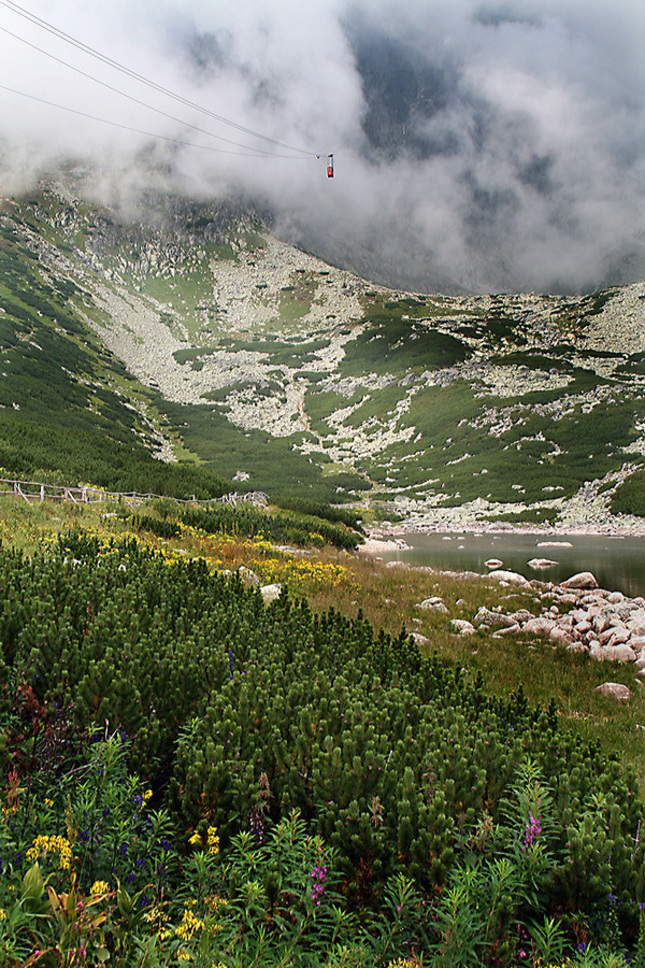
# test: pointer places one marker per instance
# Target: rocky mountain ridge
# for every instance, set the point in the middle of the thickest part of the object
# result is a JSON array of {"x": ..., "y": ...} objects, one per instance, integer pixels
[{"x": 512, "y": 405}]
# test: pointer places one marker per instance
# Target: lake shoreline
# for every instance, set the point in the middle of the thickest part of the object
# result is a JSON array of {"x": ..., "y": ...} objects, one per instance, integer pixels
[
  {"x": 615, "y": 556},
  {"x": 623, "y": 527}
]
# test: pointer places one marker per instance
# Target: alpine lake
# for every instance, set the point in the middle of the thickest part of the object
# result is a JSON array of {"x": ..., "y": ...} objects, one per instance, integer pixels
[{"x": 618, "y": 563}]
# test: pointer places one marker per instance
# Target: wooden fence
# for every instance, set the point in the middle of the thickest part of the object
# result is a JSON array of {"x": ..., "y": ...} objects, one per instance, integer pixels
[{"x": 34, "y": 493}]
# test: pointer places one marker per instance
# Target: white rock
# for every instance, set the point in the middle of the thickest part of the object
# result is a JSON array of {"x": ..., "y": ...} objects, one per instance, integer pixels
[
  {"x": 600, "y": 622},
  {"x": 462, "y": 627},
  {"x": 539, "y": 564},
  {"x": 579, "y": 615},
  {"x": 605, "y": 637},
  {"x": 616, "y": 689},
  {"x": 493, "y": 619},
  {"x": 623, "y": 653},
  {"x": 619, "y": 635},
  {"x": 270, "y": 592},
  {"x": 560, "y": 636},
  {"x": 508, "y": 630},
  {"x": 420, "y": 639},
  {"x": 581, "y": 628},
  {"x": 248, "y": 577},
  {"x": 539, "y": 626},
  {"x": 583, "y": 579},
  {"x": 508, "y": 576},
  {"x": 522, "y": 615},
  {"x": 494, "y": 563},
  {"x": 433, "y": 603}
]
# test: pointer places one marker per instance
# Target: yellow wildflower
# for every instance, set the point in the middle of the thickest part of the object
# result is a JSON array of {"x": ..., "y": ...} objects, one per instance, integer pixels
[
  {"x": 213, "y": 841},
  {"x": 55, "y": 844},
  {"x": 215, "y": 902},
  {"x": 146, "y": 796},
  {"x": 189, "y": 925},
  {"x": 3, "y": 914},
  {"x": 195, "y": 839},
  {"x": 48, "y": 802},
  {"x": 100, "y": 887}
]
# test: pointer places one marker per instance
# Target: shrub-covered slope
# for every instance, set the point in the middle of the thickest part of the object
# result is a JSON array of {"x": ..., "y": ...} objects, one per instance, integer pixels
[{"x": 237, "y": 714}]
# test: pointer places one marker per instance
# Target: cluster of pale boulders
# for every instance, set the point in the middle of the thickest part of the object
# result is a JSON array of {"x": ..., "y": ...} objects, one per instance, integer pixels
[
  {"x": 580, "y": 616},
  {"x": 583, "y": 617}
]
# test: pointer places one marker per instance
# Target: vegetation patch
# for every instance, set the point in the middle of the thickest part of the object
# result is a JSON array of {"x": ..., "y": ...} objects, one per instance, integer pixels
[{"x": 358, "y": 788}]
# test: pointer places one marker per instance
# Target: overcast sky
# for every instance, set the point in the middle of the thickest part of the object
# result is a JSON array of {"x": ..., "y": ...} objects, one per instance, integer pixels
[{"x": 486, "y": 145}]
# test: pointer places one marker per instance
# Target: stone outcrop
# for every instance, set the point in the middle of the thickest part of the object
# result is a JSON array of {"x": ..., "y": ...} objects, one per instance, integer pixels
[{"x": 607, "y": 625}]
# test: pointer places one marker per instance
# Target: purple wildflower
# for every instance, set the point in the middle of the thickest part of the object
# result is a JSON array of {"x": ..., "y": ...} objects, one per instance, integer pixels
[
  {"x": 532, "y": 832},
  {"x": 256, "y": 826},
  {"x": 317, "y": 889}
]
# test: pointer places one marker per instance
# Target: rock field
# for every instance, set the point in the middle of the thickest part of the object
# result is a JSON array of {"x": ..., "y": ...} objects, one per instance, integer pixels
[
  {"x": 575, "y": 615},
  {"x": 208, "y": 334}
]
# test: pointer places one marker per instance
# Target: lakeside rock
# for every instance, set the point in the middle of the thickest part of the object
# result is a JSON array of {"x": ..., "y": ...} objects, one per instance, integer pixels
[
  {"x": 508, "y": 577},
  {"x": 541, "y": 564},
  {"x": 608, "y": 625},
  {"x": 583, "y": 579}
]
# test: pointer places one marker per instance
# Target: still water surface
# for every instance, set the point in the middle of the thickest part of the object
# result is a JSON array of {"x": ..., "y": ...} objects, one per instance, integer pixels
[{"x": 617, "y": 563}]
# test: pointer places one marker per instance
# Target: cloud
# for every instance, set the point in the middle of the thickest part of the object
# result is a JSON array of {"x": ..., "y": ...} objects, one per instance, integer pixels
[{"x": 478, "y": 145}]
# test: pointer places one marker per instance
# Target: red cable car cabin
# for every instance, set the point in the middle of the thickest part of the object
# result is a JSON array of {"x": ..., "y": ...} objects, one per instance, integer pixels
[{"x": 330, "y": 166}]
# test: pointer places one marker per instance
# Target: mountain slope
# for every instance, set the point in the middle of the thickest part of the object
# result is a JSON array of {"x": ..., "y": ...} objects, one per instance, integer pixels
[{"x": 211, "y": 339}]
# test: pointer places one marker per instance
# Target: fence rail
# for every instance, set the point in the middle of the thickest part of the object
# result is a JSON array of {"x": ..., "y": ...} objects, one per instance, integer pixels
[{"x": 36, "y": 493}]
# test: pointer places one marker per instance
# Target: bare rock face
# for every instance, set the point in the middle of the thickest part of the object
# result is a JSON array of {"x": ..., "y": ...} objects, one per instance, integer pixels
[
  {"x": 584, "y": 579},
  {"x": 615, "y": 689}
]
